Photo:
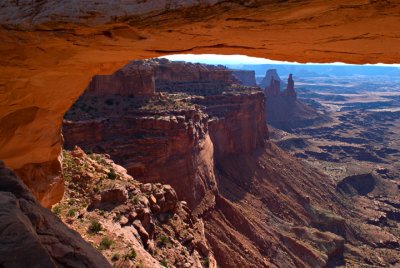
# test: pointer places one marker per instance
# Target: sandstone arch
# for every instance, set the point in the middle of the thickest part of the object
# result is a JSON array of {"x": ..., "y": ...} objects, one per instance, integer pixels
[{"x": 51, "y": 49}]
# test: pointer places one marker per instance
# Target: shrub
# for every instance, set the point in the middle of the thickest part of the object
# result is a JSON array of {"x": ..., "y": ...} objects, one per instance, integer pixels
[
  {"x": 130, "y": 255},
  {"x": 106, "y": 243},
  {"x": 71, "y": 212},
  {"x": 56, "y": 210},
  {"x": 95, "y": 227},
  {"x": 206, "y": 262},
  {"x": 115, "y": 257},
  {"x": 112, "y": 175},
  {"x": 164, "y": 240},
  {"x": 164, "y": 263}
]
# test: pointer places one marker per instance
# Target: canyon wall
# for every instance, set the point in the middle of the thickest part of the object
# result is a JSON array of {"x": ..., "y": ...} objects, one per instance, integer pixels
[
  {"x": 171, "y": 139},
  {"x": 247, "y": 78},
  {"x": 51, "y": 51},
  {"x": 174, "y": 148}
]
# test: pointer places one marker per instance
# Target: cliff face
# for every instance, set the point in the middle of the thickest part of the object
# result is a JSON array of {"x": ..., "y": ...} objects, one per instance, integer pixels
[
  {"x": 172, "y": 137},
  {"x": 237, "y": 123},
  {"x": 270, "y": 75},
  {"x": 247, "y": 78},
  {"x": 170, "y": 147}
]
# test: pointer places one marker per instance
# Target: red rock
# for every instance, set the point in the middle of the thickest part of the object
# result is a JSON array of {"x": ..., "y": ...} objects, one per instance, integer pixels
[{"x": 117, "y": 195}]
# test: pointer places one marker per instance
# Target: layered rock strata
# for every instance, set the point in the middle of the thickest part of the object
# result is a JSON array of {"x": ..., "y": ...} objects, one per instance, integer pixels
[
  {"x": 169, "y": 137},
  {"x": 246, "y": 77}
]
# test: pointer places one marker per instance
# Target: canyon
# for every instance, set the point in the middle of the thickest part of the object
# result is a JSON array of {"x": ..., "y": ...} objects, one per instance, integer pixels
[
  {"x": 263, "y": 202},
  {"x": 50, "y": 52}
]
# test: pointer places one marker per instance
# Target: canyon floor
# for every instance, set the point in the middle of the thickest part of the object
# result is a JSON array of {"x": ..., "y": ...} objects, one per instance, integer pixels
[{"x": 359, "y": 147}]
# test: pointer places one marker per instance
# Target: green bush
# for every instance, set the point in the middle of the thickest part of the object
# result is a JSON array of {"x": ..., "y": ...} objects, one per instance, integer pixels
[
  {"x": 164, "y": 263},
  {"x": 130, "y": 255},
  {"x": 95, "y": 227},
  {"x": 112, "y": 175},
  {"x": 206, "y": 262},
  {"x": 106, "y": 243},
  {"x": 56, "y": 210},
  {"x": 71, "y": 212},
  {"x": 115, "y": 257},
  {"x": 164, "y": 240}
]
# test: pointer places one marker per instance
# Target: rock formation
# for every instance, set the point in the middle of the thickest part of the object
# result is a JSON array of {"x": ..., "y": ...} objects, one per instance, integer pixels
[
  {"x": 179, "y": 135},
  {"x": 51, "y": 51},
  {"x": 131, "y": 223},
  {"x": 290, "y": 92},
  {"x": 283, "y": 109},
  {"x": 32, "y": 236},
  {"x": 247, "y": 78},
  {"x": 270, "y": 75},
  {"x": 210, "y": 145}
]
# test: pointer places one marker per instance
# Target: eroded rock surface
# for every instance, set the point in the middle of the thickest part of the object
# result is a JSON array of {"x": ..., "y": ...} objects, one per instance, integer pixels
[
  {"x": 171, "y": 136},
  {"x": 31, "y": 236},
  {"x": 132, "y": 224}
]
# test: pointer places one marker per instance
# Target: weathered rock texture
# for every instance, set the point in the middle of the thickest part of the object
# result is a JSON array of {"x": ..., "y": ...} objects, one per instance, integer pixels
[
  {"x": 31, "y": 236},
  {"x": 50, "y": 51},
  {"x": 145, "y": 224}
]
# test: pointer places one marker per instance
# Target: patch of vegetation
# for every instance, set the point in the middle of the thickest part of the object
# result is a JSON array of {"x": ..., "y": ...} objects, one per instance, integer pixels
[
  {"x": 115, "y": 257},
  {"x": 164, "y": 240},
  {"x": 71, "y": 212},
  {"x": 106, "y": 243},
  {"x": 111, "y": 174},
  {"x": 118, "y": 217},
  {"x": 135, "y": 200},
  {"x": 164, "y": 263},
  {"x": 206, "y": 262},
  {"x": 56, "y": 210},
  {"x": 130, "y": 255},
  {"x": 95, "y": 227}
]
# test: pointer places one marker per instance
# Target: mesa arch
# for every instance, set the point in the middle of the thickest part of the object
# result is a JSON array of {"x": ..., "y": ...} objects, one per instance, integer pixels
[{"x": 50, "y": 50}]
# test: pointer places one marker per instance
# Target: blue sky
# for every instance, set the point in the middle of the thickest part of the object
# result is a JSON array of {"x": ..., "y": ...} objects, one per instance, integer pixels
[{"x": 237, "y": 59}]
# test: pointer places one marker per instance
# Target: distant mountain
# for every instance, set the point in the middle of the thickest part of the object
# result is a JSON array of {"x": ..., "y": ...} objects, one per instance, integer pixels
[{"x": 312, "y": 70}]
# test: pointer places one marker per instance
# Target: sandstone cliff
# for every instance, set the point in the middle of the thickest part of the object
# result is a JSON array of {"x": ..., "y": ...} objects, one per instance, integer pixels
[
  {"x": 247, "y": 78},
  {"x": 255, "y": 200},
  {"x": 170, "y": 137}
]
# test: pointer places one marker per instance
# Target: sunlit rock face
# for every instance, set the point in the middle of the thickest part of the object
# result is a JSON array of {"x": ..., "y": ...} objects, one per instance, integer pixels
[
  {"x": 50, "y": 51},
  {"x": 200, "y": 113}
]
